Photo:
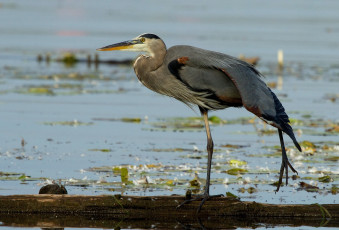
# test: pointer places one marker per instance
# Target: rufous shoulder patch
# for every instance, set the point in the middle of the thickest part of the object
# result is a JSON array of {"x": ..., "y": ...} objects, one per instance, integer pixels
[
  {"x": 182, "y": 60},
  {"x": 254, "y": 110}
]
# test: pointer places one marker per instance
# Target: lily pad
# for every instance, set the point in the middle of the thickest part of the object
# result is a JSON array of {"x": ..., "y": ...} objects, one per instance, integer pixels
[
  {"x": 236, "y": 171},
  {"x": 237, "y": 162},
  {"x": 307, "y": 144},
  {"x": 325, "y": 179},
  {"x": 124, "y": 175},
  {"x": 216, "y": 120}
]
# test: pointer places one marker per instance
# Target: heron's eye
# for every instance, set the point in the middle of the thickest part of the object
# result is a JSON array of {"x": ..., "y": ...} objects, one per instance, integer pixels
[{"x": 142, "y": 39}]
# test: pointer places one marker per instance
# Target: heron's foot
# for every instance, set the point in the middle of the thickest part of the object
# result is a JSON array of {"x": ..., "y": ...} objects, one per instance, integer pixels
[
  {"x": 284, "y": 167},
  {"x": 203, "y": 199}
]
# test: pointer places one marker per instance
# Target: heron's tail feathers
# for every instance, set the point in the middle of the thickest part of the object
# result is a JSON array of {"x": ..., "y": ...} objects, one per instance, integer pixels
[
  {"x": 283, "y": 121},
  {"x": 286, "y": 128}
]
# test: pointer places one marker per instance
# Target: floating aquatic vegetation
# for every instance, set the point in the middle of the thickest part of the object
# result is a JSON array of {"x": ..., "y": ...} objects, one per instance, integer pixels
[
  {"x": 38, "y": 90},
  {"x": 276, "y": 183},
  {"x": 73, "y": 76},
  {"x": 309, "y": 124},
  {"x": 195, "y": 182},
  {"x": 334, "y": 189},
  {"x": 242, "y": 120},
  {"x": 180, "y": 124},
  {"x": 121, "y": 178},
  {"x": 276, "y": 153},
  {"x": 12, "y": 176},
  {"x": 67, "y": 123},
  {"x": 307, "y": 144},
  {"x": 236, "y": 171},
  {"x": 237, "y": 162},
  {"x": 267, "y": 131},
  {"x": 325, "y": 179},
  {"x": 124, "y": 176},
  {"x": 229, "y": 194},
  {"x": 334, "y": 129},
  {"x": 250, "y": 190},
  {"x": 308, "y": 147},
  {"x": 69, "y": 59},
  {"x": 334, "y": 158},
  {"x": 65, "y": 89},
  {"x": 101, "y": 150},
  {"x": 216, "y": 120},
  {"x": 131, "y": 119},
  {"x": 8, "y": 174},
  {"x": 123, "y": 119},
  {"x": 234, "y": 146},
  {"x": 194, "y": 123},
  {"x": 308, "y": 187},
  {"x": 334, "y": 97},
  {"x": 171, "y": 150}
]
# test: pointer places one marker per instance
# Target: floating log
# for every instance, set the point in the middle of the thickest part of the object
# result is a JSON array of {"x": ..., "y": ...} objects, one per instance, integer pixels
[{"x": 46, "y": 210}]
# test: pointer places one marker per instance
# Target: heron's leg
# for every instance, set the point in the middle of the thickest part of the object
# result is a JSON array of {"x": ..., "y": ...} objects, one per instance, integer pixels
[
  {"x": 210, "y": 145},
  {"x": 284, "y": 163}
]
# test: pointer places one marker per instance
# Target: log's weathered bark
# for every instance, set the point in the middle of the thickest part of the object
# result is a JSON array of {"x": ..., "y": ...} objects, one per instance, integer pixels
[{"x": 159, "y": 209}]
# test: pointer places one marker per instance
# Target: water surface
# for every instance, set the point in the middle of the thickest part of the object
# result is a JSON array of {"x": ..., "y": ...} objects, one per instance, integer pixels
[{"x": 75, "y": 125}]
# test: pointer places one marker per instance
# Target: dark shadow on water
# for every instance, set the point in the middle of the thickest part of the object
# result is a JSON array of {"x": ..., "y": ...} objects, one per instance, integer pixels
[{"x": 57, "y": 221}]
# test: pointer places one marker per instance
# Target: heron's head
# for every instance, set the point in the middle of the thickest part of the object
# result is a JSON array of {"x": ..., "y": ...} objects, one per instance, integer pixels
[{"x": 148, "y": 43}]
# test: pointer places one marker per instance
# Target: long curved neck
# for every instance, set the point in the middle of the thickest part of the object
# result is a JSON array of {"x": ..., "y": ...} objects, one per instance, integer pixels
[{"x": 145, "y": 65}]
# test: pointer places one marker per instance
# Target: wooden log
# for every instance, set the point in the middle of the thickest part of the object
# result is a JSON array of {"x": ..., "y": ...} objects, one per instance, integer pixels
[{"x": 57, "y": 210}]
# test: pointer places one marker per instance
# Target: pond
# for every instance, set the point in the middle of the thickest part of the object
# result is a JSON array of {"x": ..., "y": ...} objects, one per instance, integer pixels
[{"x": 97, "y": 130}]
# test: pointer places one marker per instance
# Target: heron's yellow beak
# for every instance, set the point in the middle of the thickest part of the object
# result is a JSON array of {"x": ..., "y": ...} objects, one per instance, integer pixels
[{"x": 120, "y": 46}]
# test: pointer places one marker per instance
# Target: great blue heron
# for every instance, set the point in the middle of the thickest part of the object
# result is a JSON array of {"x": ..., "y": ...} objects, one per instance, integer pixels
[{"x": 210, "y": 80}]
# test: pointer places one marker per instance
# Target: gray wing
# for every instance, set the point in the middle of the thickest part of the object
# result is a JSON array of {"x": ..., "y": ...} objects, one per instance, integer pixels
[
  {"x": 230, "y": 79},
  {"x": 203, "y": 69}
]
